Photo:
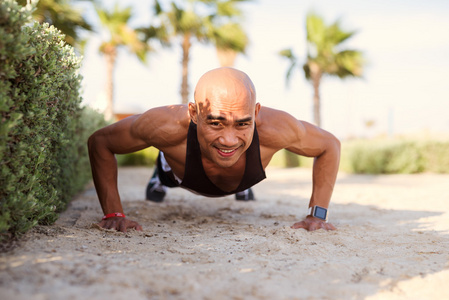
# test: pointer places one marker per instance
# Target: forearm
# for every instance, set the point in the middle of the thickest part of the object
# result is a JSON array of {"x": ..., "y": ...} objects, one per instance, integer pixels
[
  {"x": 104, "y": 173},
  {"x": 325, "y": 169}
]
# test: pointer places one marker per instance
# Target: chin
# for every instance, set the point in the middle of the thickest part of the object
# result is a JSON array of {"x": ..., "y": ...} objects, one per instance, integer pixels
[{"x": 226, "y": 162}]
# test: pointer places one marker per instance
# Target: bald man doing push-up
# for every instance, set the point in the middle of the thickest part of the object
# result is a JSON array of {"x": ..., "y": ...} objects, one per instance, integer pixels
[{"x": 218, "y": 145}]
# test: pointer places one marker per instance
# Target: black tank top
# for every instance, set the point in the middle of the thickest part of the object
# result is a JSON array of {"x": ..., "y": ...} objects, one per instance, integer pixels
[{"x": 196, "y": 180}]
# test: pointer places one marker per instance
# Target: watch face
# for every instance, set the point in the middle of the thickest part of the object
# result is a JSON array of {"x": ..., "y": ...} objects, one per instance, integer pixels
[{"x": 320, "y": 212}]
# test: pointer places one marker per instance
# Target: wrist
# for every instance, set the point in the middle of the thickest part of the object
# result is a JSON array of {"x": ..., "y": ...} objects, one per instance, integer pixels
[
  {"x": 318, "y": 212},
  {"x": 112, "y": 215}
]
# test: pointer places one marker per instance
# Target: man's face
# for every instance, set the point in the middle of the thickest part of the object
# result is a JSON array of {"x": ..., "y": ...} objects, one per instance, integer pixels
[{"x": 225, "y": 116}]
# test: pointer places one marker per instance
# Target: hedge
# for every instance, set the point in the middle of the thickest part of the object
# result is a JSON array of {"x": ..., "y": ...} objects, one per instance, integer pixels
[
  {"x": 395, "y": 156},
  {"x": 43, "y": 128}
]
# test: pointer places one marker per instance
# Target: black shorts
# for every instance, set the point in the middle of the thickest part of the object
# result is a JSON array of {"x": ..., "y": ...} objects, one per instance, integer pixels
[{"x": 167, "y": 178}]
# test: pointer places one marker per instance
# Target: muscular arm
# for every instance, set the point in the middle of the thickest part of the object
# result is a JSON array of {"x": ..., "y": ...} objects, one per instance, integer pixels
[
  {"x": 308, "y": 140},
  {"x": 103, "y": 145},
  {"x": 129, "y": 135},
  {"x": 325, "y": 149}
]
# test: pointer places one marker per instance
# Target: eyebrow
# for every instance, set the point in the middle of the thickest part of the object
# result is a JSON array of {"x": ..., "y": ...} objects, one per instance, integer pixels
[
  {"x": 212, "y": 117},
  {"x": 244, "y": 120},
  {"x": 221, "y": 118}
]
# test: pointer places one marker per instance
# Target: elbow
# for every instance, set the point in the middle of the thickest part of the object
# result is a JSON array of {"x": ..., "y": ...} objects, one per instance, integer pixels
[
  {"x": 332, "y": 147},
  {"x": 92, "y": 141},
  {"x": 336, "y": 146}
]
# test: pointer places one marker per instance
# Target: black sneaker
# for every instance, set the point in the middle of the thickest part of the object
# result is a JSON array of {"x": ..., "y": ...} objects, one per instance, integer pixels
[
  {"x": 246, "y": 195},
  {"x": 155, "y": 190}
]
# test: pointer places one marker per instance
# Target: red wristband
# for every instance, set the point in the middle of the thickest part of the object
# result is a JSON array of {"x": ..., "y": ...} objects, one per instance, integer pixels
[{"x": 114, "y": 215}]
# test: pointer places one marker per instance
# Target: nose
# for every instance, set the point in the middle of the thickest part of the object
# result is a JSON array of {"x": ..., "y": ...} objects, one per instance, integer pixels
[{"x": 228, "y": 138}]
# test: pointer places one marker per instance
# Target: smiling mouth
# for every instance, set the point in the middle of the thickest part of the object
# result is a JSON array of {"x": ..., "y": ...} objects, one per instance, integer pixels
[{"x": 226, "y": 152}]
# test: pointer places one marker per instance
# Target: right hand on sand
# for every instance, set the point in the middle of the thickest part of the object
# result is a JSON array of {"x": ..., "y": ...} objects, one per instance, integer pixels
[
  {"x": 311, "y": 224},
  {"x": 120, "y": 224}
]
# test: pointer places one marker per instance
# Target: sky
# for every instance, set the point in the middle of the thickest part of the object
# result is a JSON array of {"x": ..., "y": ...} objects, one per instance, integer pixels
[{"x": 404, "y": 89}]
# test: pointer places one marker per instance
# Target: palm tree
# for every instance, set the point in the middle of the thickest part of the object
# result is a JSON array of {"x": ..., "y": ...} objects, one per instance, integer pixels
[
  {"x": 63, "y": 15},
  {"x": 120, "y": 35},
  {"x": 218, "y": 26},
  {"x": 229, "y": 38},
  {"x": 325, "y": 56}
]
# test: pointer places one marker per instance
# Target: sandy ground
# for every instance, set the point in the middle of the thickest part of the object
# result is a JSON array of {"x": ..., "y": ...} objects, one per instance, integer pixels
[{"x": 392, "y": 242}]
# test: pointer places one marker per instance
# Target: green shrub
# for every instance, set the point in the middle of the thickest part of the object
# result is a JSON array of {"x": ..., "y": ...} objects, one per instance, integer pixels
[
  {"x": 145, "y": 157},
  {"x": 365, "y": 157},
  {"x": 291, "y": 159},
  {"x": 43, "y": 129},
  {"x": 436, "y": 156},
  {"x": 395, "y": 156}
]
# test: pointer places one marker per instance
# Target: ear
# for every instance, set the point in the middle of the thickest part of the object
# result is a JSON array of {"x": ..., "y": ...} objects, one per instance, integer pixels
[
  {"x": 257, "y": 110},
  {"x": 193, "y": 112}
]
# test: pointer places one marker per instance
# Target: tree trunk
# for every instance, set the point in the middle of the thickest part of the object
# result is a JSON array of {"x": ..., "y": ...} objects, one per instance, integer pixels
[
  {"x": 110, "y": 55},
  {"x": 315, "y": 74},
  {"x": 316, "y": 102},
  {"x": 185, "y": 68},
  {"x": 226, "y": 57}
]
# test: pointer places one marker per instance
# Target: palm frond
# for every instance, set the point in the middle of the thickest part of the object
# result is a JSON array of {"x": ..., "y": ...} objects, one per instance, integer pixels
[
  {"x": 288, "y": 53},
  {"x": 231, "y": 36},
  {"x": 315, "y": 28},
  {"x": 157, "y": 8},
  {"x": 228, "y": 9},
  {"x": 324, "y": 43}
]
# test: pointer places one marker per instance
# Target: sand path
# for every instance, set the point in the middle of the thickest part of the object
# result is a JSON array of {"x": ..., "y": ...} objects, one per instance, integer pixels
[{"x": 392, "y": 242}]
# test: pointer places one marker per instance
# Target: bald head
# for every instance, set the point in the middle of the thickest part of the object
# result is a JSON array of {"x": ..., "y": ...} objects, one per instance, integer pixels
[
  {"x": 225, "y": 112},
  {"x": 225, "y": 83}
]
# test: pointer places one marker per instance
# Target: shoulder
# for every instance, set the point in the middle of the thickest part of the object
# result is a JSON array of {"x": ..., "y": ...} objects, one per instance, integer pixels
[
  {"x": 277, "y": 128},
  {"x": 163, "y": 126}
]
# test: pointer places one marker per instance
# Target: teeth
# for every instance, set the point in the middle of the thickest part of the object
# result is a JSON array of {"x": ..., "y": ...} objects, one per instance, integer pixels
[{"x": 226, "y": 151}]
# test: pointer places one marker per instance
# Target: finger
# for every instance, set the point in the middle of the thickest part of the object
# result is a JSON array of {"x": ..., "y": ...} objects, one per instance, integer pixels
[
  {"x": 137, "y": 226},
  {"x": 323, "y": 225},
  {"x": 101, "y": 224},
  {"x": 111, "y": 224},
  {"x": 314, "y": 226},
  {"x": 297, "y": 225},
  {"x": 122, "y": 227},
  {"x": 329, "y": 226},
  {"x": 107, "y": 225}
]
